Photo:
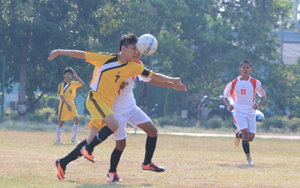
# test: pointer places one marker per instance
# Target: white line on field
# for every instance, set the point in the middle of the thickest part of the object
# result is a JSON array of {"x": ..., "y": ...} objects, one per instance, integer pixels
[{"x": 221, "y": 135}]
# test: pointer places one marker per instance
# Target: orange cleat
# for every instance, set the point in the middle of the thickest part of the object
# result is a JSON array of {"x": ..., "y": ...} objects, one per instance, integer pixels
[
  {"x": 88, "y": 155},
  {"x": 113, "y": 176},
  {"x": 60, "y": 170},
  {"x": 153, "y": 167}
]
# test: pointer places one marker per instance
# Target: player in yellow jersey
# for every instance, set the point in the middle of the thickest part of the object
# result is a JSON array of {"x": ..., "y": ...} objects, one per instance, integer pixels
[
  {"x": 111, "y": 70},
  {"x": 67, "y": 109}
]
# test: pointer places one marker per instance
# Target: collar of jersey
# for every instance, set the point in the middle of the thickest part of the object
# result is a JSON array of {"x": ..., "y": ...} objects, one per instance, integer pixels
[{"x": 239, "y": 78}]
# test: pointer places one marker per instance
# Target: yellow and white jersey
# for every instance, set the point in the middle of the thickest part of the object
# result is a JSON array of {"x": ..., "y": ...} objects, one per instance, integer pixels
[
  {"x": 110, "y": 73},
  {"x": 68, "y": 90}
]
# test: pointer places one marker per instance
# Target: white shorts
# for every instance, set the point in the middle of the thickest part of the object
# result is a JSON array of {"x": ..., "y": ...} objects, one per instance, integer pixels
[
  {"x": 135, "y": 117},
  {"x": 245, "y": 121}
]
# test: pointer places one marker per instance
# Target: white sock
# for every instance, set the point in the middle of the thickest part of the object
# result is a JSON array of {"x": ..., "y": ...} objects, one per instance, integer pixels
[
  {"x": 75, "y": 131},
  {"x": 58, "y": 133}
]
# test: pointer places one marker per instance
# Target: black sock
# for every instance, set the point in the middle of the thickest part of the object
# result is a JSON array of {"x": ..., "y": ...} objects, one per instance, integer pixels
[
  {"x": 150, "y": 147},
  {"x": 246, "y": 146},
  {"x": 73, "y": 155},
  {"x": 114, "y": 160},
  {"x": 100, "y": 137},
  {"x": 239, "y": 135}
]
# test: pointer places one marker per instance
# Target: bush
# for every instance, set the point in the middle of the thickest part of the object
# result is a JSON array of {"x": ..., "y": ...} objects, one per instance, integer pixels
[
  {"x": 42, "y": 115},
  {"x": 52, "y": 102},
  {"x": 277, "y": 122},
  {"x": 175, "y": 121},
  {"x": 214, "y": 123}
]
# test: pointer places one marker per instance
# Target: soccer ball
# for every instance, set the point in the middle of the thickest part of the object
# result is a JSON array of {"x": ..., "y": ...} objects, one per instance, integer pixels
[{"x": 146, "y": 44}]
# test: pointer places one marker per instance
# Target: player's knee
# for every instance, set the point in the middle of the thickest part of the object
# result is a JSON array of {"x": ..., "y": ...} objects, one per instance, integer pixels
[
  {"x": 251, "y": 139},
  {"x": 153, "y": 132},
  {"x": 120, "y": 145}
]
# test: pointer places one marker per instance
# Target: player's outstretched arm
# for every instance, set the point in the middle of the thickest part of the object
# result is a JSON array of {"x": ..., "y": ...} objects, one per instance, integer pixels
[
  {"x": 165, "y": 84},
  {"x": 77, "y": 77},
  {"x": 163, "y": 78},
  {"x": 72, "y": 53}
]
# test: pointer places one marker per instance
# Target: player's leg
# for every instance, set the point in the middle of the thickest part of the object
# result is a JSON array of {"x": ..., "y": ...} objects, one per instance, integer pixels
[
  {"x": 237, "y": 135},
  {"x": 106, "y": 131},
  {"x": 120, "y": 137},
  {"x": 73, "y": 155},
  {"x": 252, "y": 126},
  {"x": 106, "y": 122},
  {"x": 112, "y": 174},
  {"x": 63, "y": 115},
  {"x": 74, "y": 114},
  {"x": 141, "y": 120},
  {"x": 58, "y": 132}
]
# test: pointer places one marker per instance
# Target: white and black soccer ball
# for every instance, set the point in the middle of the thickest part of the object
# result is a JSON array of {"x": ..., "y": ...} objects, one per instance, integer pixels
[{"x": 146, "y": 44}]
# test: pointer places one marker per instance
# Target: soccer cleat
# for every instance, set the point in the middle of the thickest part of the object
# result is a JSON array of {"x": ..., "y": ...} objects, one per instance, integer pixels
[
  {"x": 58, "y": 142},
  {"x": 153, "y": 167},
  {"x": 237, "y": 140},
  {"x": 74, "y": 140},
  {"x": 88, "y": 155},
  {"x": 60, "y": 170},
  {"x": 249, "y": 162},
  {"x": 113, "y": 176}
]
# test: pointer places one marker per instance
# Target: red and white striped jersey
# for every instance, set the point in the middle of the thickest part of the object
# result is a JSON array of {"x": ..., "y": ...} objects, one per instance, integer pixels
[{"x": 241, "y": 93}]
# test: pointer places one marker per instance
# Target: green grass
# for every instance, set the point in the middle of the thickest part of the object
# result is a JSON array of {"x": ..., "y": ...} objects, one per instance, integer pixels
[{"x": 27, "y": 160}]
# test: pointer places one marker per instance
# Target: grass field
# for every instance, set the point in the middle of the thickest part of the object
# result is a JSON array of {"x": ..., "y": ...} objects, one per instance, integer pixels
[{"x": 27, "y": 160}]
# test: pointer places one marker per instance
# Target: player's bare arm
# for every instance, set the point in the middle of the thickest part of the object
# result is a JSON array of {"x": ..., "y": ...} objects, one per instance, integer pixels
[
  {"x": 227, "y": 103},
  {"x": 123, "y": 85},
  {"x": 77, "y": 77},
  {"x": 166, "y": 84},
  {"x": 163, "y": 78},
  {"x": 72, "y": 53},
  {"x": 257, "y": 106},
  {"x": 64, "y": 100}
]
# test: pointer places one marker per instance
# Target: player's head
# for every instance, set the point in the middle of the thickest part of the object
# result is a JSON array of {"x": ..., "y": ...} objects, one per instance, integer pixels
[
  {"x": 128, "y": 46},
  {"x": 138, "y": 55},
  {"x": 245, "y": 68},
  {"x": 68, "y": 73}
]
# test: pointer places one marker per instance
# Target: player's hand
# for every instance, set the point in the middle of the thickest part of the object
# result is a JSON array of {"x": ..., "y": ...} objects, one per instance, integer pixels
[
  {"x": 69, "y": 107},
  {"x": 123, "y": 85},
  {"x": 75, "y": 74},
  {"x": 53, "y": 54},
  {"x": 255, "y": 106},
  {"x": 231, "y": 107},
  {"x": 178, "y": 85}
]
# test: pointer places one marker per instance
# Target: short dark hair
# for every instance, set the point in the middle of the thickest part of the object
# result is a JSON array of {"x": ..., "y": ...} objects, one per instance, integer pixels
[
  {"x": 68, "y": 69},
  {"x": 126, "y": 40},
  {"x": 241, "y": 64}
]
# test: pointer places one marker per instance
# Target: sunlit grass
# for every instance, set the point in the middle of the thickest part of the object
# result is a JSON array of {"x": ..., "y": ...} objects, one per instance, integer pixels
[{"x": 27, "y": 160}]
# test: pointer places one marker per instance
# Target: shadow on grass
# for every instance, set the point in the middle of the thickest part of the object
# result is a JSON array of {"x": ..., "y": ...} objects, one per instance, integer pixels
[
  {"x": 109, "y": 184},
  {"x": 241, "y": 166}
]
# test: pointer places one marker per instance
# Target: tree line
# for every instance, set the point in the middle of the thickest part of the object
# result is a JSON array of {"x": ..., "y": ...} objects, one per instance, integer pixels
[{"x": 203, "y": 42}]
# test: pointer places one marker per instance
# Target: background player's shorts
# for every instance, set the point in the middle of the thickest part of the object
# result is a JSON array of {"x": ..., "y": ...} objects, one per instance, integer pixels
[
  {"x": 135, "y": 117},
  {"x": 98, "y": 109},
  {"x": 245, "y": 120},
  {"x": 64, "y": 114}
]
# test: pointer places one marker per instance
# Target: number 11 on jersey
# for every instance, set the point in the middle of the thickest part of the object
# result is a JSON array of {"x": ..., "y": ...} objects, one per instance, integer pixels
[{"x": 243, "y": 91}]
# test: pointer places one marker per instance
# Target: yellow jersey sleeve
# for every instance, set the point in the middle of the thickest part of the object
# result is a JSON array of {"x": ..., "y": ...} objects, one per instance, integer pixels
[
  {"x": 76, "y": 84},
  {"x": 60, "y": 89},
  {"x": 139, "y": 69},
  {"x": 96, "y": 59}
]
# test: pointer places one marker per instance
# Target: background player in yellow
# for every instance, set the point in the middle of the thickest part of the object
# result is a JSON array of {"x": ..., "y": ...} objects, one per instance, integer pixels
[
  {"x": 111, "y": 70},
  {"x": 67, "y": 108}
]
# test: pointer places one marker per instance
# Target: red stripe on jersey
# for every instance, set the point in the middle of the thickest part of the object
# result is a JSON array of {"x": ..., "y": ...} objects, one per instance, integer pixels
[
  {"x": 232, "y": 88},
  {"x": 253, "y": 82},
  {"x": 234, "y": 121}
]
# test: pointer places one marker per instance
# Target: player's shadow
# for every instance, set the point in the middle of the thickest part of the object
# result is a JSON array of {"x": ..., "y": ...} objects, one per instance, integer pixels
[
  {"x": 109, "y": 184},
  {"x": 241, "y": 166}
]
